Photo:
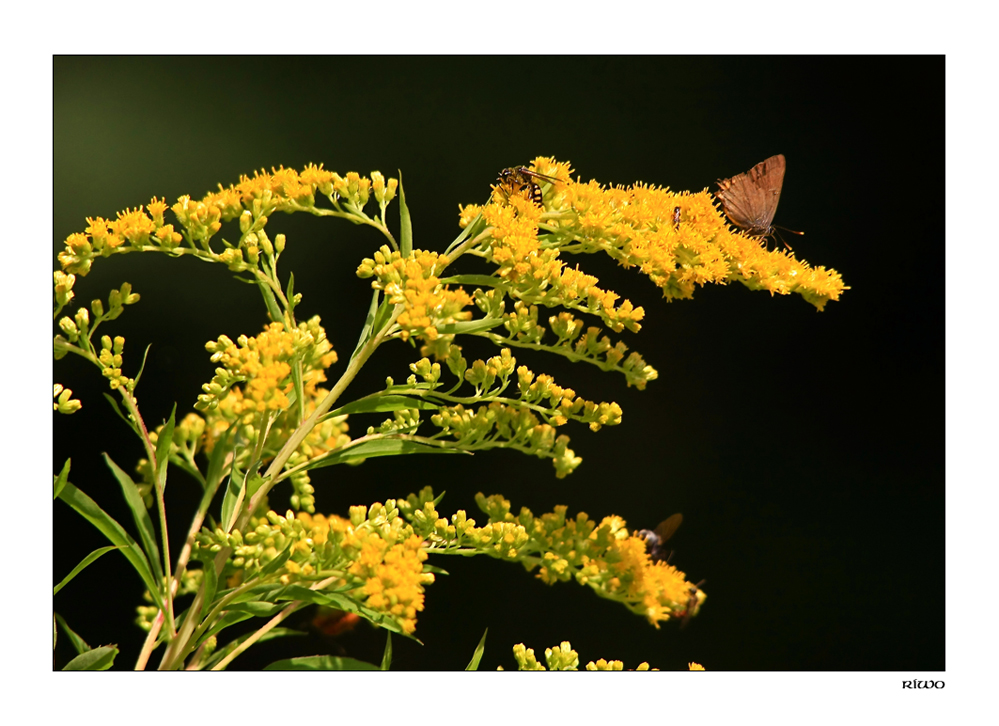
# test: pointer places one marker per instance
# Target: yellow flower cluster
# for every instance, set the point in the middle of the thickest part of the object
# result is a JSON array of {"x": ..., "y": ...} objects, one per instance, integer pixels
[
  {"x": 604, "y": 556},
  {"x": 574, "y": 340},
  {"x": 253, "y": 385},
  {"x": 536, "y": 275},
  {"x": 656, "y": 590},
  {"x": 135, "y": 227},
  {"x": 412, "y": 281},
  {"x": 251, "y": 200},
  {"x": 111, "y": 361},
  {"x": 380, "y": 557},
  {"x": 564, "y": 658},
  {"x": 637, "y": 226},
  {"x": 503, "y": 425},
  {"x": 264, "y": 365},
  {"x": 392, "y": 573}
]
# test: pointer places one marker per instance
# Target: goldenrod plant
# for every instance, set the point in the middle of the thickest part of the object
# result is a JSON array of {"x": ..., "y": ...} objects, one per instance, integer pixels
[{"x": 269, "y": 417}]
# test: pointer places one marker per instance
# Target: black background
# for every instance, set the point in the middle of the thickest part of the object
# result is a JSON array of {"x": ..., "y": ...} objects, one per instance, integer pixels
[{"x": 805, "y": 450}]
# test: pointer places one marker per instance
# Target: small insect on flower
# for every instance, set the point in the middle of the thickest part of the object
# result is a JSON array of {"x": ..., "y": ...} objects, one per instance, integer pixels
[
  {"x": 518, "y": 179},
  {"x": 655, "y": 540},
  {"x": 676, "y": 217},
  {"x": 693, "y": 604}
]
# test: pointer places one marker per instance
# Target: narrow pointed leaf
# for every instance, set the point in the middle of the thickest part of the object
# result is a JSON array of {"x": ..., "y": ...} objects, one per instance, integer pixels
[
  {"x": 84, "y": 563},
  {"x": 369, "y": 323},
  {"x": 271, "y": 302},
  {"x": 381, "y": 404},
  {"x": 379, "y": 447},
  {"x": 232, "y": 499},
  {"x": 277, "y": 563},
  {"x": 290, "y": 293},
  {"x": 60, "y": 481},
  {"x": 473, "y": 665},
  {"x": 163, "y": 442},
  {"x": 469, "y": 327},
  {"x": 79, "y": 644},
  {"x": 140, "y": 514},
  {"x": 88, "y": 509},
  {"x": 405, "y": 223},
  {"x": 117, "y": 410},
  {"x": 138, "y": 376},
  {"x": 216, "y": 462}
]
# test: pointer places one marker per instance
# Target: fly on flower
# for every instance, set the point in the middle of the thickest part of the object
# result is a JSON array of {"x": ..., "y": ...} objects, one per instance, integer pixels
[
  {"x": 517, "y": 179},
  {"x": 693, "y": 604},
  {"x": 676, "y": 217},
  {"x": 655, "y": 540}
]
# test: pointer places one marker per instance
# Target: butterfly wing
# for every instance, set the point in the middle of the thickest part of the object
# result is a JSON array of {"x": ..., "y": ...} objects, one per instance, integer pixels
[{"x": 750, "y": 199}]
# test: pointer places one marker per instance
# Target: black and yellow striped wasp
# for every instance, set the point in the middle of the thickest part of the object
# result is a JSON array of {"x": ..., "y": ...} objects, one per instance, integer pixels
[{"x": 518, "y": 179}]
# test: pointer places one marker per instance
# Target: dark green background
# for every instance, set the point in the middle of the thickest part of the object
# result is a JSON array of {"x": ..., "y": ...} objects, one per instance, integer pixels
[{"x": 805, "y": 450}]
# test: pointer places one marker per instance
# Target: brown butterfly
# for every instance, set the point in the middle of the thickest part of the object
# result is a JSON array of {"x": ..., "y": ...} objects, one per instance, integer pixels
[{"x": 749, "y": 200}]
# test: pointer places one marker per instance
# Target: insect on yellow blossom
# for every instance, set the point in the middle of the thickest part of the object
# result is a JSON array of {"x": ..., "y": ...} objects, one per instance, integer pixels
[{"x": 518, "y": 179}]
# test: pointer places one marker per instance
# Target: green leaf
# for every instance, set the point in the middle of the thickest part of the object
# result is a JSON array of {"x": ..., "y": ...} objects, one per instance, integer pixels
[
  {"x": 163, "y": 443},
  {"x": 230, "y": 618},
  {"x": 211, "y": 582},
  {"x": 217, "y": 461},
  {"x": 469, "y": 327},
  {"x": 436, "y": 570},
  {"x": 473, "y": 665},
  {"x": 79, "y": 644},
  {"x": 482, "y": 280},
  {"x": 142, "y": 367},
  {"x": 376, "y": 448},
  {"x": 270, "y": 301},
  {"x": 233, "y": 499},
  {"x": 277, "y": 563},
  {"x": 257, "y": 608},
  {"x": 84, "y": 563},
  {"x": 405, "y": 223},
  {"x": 387, "y": 655},
  {"x": 383, "y": 315},
  {"x": 381, "y": 403},
  {"x": 369, "y": 322},
  {"x": 297, "y": 592},
  {"x": 98, "y": 659},
  {"x": 321, "y": 663},
  {"x": 140, "y": 514},
  {"x": 290, "y": 293},
  {"x": 474, "y": 226},
  {"x": 123, "y": 417},
  {"x": 88, "y": 509},
  {"x": 60, "y": 481}
]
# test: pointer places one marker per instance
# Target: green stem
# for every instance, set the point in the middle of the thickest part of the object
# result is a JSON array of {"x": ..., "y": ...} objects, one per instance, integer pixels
[
  {"x": 133, "y": 409},
  {"x": 271, "y": 624},
  {"x": 306, "y": 427}
]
